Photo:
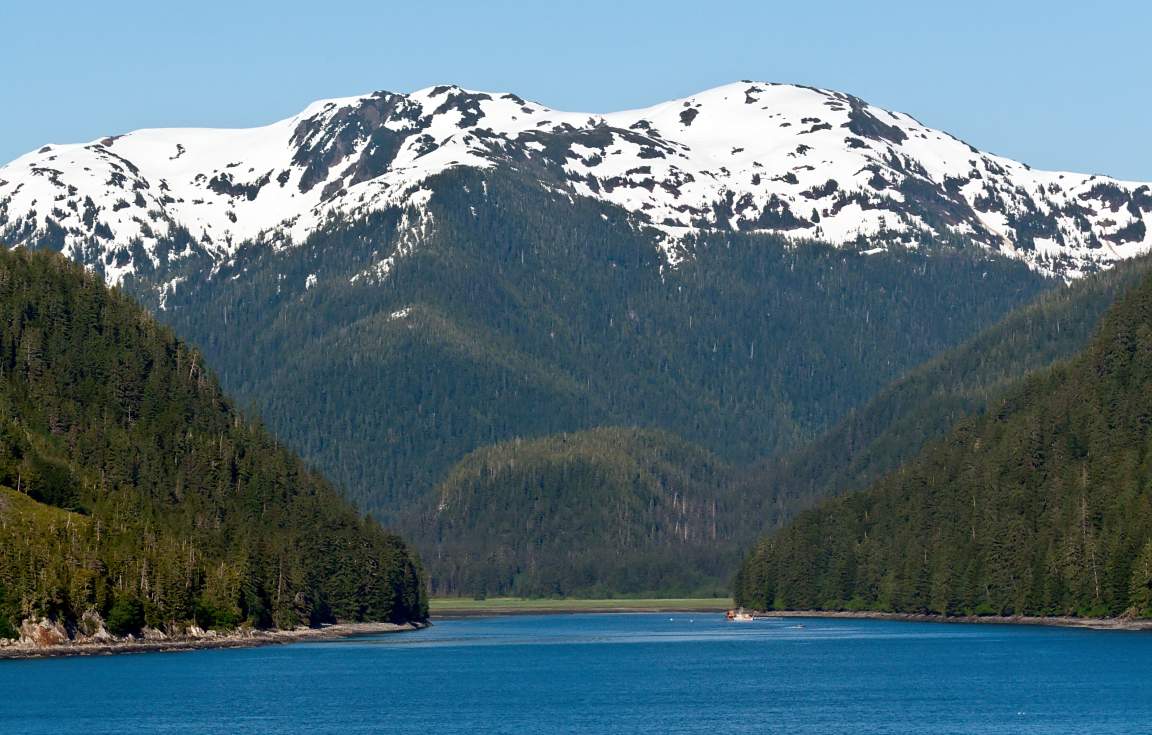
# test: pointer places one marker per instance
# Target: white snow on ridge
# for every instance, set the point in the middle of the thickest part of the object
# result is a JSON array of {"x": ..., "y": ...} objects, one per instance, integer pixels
[{"x": 749, "y": 156}]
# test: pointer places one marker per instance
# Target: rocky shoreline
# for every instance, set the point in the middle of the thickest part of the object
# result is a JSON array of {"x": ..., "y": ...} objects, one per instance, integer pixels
[
  {"x": 48, "y": 644},
  {"x": 1127, "y": 624}
]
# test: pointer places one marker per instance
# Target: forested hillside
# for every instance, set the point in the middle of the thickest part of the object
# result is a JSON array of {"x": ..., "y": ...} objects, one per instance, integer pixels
[
  {"x": 493, "y": 528},
  {"x": 1041, "y": 506},
  {"x": 587, "y": 514},
  {"x": 132, "y": 488},
  {"x": 925, "y": 404},
  {"x": 536, "y": 314}
]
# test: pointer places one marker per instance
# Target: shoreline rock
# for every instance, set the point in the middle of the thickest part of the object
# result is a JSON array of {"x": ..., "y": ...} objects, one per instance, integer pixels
[{"x": 156, "y": 642}]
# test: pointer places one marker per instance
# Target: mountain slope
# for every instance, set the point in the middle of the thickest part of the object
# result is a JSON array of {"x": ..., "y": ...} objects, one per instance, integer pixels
[
  {"x": 133, "y": 484},
  {"x": 533, "y": 316},
  {"x": 1041, "y": 506},
  {"x": 746, "y": 157},
  {"x": 924, "y": 405}
]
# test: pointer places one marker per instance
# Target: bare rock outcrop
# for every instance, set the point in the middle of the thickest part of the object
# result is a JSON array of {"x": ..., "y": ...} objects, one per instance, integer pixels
[{"x": 43, "y": 633}]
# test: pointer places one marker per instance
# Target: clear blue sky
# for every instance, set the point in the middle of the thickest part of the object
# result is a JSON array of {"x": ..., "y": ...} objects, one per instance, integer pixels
[{"x": 1055, "y": 84}]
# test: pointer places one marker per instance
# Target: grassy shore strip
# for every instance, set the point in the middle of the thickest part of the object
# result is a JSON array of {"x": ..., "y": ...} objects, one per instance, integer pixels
[
  {"x": 247, "y": 639},
  {"x": 463, "y": 606},
  {"x": 1063, "y": 622}
]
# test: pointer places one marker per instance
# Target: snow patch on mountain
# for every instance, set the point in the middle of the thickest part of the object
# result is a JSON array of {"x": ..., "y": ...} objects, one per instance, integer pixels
[{"x": 749, "y": 157}]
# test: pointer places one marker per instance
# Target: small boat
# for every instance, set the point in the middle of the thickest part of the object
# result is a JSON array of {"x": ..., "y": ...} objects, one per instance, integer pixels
[{"x": 739, "y": 616}]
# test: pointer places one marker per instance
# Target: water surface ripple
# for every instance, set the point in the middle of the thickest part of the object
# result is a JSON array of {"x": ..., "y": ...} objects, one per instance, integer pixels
[{"x": 621, "y": 673}]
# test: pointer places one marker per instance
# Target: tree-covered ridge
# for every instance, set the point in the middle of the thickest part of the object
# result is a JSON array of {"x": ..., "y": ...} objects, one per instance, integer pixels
[
  {"x": 1042, "y": 506},
  {"x": 605, "y": 511},
  {"x": 897, "y": 423},
  {"x": 181, "y": 510}
]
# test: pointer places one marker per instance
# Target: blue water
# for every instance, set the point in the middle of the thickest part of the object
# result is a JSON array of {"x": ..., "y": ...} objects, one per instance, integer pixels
[{"x": 642, "y": 673}]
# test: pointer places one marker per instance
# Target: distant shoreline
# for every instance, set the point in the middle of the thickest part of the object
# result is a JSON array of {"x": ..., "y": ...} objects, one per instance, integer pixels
[
  {"x": 459, "y": 607},
  {"x": 495, "y": 613},
  {"x": 247, "y": 639},
  {"x": 449, "y": 608},
  {"x": 503, "y": 607},
  {"x": 1127, "y": 624}
]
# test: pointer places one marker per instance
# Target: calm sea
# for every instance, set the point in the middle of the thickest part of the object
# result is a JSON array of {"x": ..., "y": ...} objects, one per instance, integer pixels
[{"x": 638, "y": 673}]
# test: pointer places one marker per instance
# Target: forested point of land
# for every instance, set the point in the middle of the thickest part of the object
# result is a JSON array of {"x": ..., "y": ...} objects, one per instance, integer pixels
[{"x": 132, "y": 488}]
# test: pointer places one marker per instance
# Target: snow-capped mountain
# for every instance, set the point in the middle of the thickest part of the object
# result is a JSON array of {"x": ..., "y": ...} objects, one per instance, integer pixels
[{"x": 810, "y": 163}]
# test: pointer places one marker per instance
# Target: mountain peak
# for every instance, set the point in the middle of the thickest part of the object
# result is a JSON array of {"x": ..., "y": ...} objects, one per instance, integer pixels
[{"x": 748, "y": 156}]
